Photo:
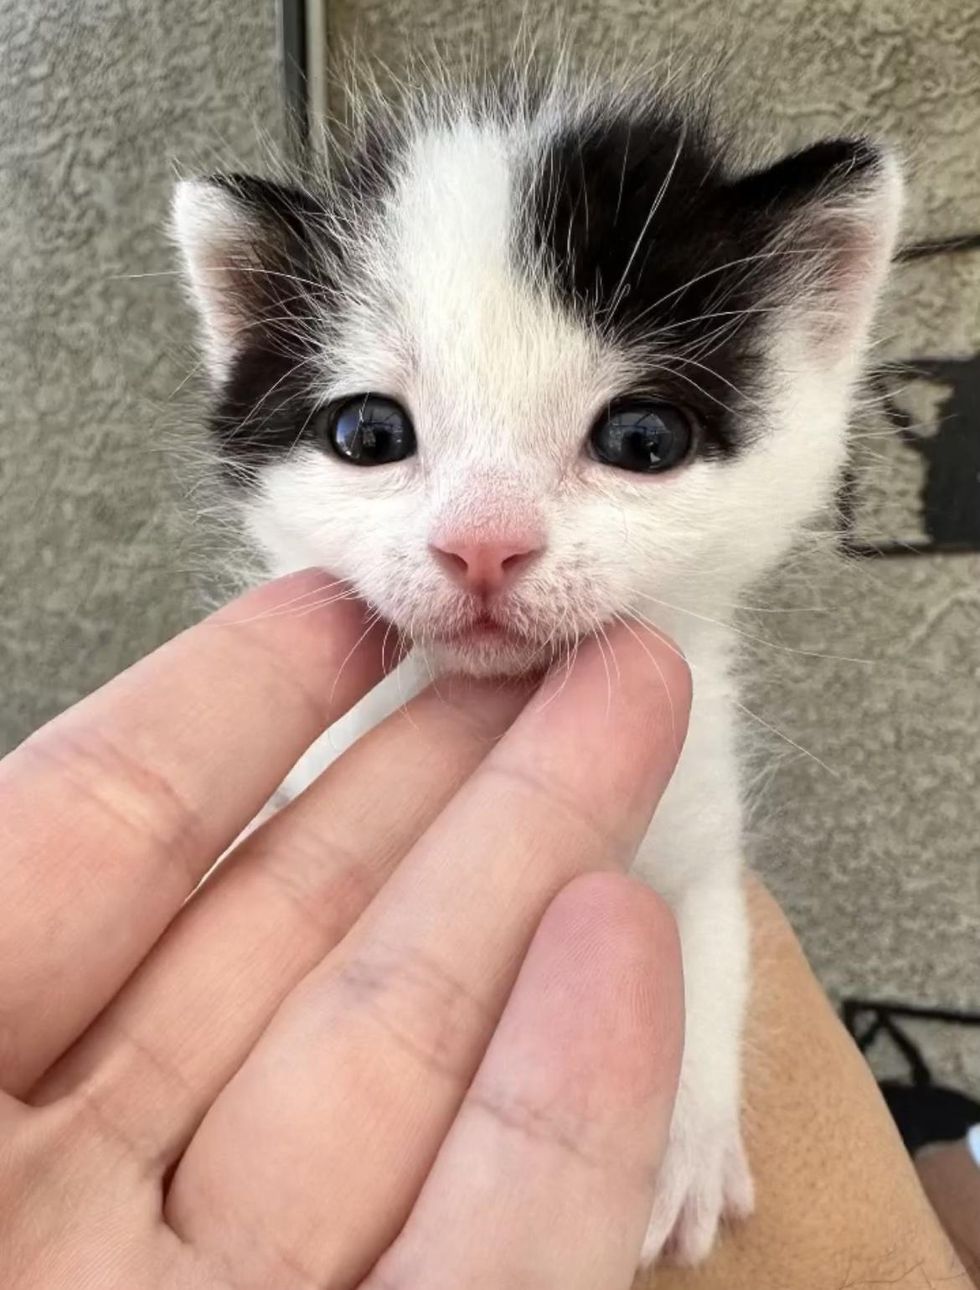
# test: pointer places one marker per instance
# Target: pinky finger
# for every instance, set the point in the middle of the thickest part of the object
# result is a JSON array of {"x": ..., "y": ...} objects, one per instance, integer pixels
[{"x": 546, "y": 1177}]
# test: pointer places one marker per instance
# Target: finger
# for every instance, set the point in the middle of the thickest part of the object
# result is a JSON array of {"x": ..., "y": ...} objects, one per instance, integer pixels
[
  {"x": 370, "y": 1056},
  {"x": 112, "y": 813},
  {"x": 546, "y": 1177},
  {"x": 165, "y": 1047}
]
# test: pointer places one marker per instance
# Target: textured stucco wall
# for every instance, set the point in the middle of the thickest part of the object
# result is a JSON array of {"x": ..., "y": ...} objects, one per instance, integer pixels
[
  {"x": 875, "y": 851},
  {"x": 790, "y": 69},
  {"x": 98, "y": 98}
]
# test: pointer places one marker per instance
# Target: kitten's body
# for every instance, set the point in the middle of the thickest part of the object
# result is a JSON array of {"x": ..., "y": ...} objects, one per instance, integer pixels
[{"x": 508, "y": 270}]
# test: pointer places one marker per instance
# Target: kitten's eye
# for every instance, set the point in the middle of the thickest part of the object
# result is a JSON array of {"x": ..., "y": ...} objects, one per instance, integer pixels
[
  {"x": 370, "y": 430},
  {"x": 643, "y": 436}
]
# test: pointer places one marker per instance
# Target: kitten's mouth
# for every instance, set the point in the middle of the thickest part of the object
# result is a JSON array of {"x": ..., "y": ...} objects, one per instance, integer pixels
[
  {"x": 501, "y": 636},
  {"x": 485, "y": 628},
  {"x": 490, "y": 643}
]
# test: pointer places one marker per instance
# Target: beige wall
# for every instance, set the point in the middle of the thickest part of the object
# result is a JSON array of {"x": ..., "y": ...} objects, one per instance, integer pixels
[
  {"x": 100, "y": 553},
  {"x": 791, "y": 69}
]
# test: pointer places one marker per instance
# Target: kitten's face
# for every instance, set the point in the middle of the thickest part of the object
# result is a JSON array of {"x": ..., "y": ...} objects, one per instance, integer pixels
[{"x": 606, "y": 380}]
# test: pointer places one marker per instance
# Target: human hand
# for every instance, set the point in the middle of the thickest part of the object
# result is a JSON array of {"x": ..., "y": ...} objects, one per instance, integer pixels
[{"x": 419, "y": 1011}]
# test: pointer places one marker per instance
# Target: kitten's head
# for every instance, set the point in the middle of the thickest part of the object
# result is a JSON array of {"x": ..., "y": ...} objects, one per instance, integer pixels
[{"x": 520, "y": 367}]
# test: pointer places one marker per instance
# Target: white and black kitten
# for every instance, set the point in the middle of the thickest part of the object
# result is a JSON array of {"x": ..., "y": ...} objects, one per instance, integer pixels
[{"x": 532, "y": 362}]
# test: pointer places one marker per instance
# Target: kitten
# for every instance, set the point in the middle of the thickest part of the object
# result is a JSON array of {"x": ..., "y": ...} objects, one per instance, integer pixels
[{"x": 532, "y": 362}]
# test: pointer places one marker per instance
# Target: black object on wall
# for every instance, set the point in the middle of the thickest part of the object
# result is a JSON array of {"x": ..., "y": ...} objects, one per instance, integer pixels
[
  {"x": 293, "y": 55},
  {"x": 949, "y": 514},
  {"x": 951, "y": 494}
]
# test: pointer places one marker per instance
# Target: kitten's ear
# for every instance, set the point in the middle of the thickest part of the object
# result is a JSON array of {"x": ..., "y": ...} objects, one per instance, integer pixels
[
  {"x": 247, "y": 246},
  {"x": 830, "y": 217}
]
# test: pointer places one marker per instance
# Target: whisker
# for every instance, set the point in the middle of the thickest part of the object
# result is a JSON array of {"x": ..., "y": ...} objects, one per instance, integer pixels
[
  {"x": 305, "y": 610},
  {"x": 750, "y": 636},
  {"x": 692, "y": 362},
  {"x": 282, "y": 608},
  {"x": 404, "y": 702},
  {"x": 780, "y": 734},
  {"x": 605, "y": 666},
  {"x": 663, "y": 680},
  {"x": 619, "y": 671},
  {"x": 571, "y": 647},
  {"x": 373, "y": 618},
  {"x": 657, "y": 202},
  {"x": 218, "y": 268}
]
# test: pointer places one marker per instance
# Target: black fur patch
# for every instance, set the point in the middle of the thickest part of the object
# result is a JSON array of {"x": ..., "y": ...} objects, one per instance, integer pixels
[
  {"x": 645, "y": 235},
  {"x": 262, "y": 413},
  {"x": 290, "y": 271}
]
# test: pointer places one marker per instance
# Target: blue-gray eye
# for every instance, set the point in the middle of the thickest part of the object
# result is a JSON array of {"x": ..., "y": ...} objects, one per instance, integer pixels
[
  {"x": 370, "y": 430},
  {"x": 643, "y": 436}
]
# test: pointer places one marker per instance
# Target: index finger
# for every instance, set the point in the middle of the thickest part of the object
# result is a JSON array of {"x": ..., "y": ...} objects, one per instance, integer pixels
[{"x": 112, "y": 813}]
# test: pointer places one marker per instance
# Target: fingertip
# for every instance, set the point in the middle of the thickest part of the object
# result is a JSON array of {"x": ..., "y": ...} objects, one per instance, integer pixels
[
  {"x": 637, "y": 666},
  {"x": 614, "y": 943},
  {"x": 622, "y": 907},
  {"x": 645, "y": 641},
  {"x": 625, "y": 921}
]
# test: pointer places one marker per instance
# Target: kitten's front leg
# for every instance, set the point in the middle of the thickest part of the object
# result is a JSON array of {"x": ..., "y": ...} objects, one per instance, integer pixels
[{"x": 705, "y": 1175}]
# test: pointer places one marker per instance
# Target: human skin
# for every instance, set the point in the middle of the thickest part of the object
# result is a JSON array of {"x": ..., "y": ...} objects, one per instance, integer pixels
[
  {"x": 838, "y": 1202},
  {"x": 421, "y": 1008}
]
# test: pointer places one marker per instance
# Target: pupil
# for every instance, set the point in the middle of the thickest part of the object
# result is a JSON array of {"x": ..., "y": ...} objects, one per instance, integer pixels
[
  {"x": 371, "y": 431},
  {"x": 645, "y": 437},
  {"x": 370, "y": 438},
  {"x": 645, "y": 444}
]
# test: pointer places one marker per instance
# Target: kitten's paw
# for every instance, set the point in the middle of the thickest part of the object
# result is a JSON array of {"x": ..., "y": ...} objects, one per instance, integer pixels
[{"x": 704, "y": 1180}]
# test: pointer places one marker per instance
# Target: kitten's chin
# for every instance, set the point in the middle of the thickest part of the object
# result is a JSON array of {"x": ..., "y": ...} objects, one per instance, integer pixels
[{"x": 488, "y": 658}]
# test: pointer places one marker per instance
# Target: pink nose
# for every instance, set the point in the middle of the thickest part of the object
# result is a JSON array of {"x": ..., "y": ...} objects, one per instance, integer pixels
[{"x": 485, "y": 567}]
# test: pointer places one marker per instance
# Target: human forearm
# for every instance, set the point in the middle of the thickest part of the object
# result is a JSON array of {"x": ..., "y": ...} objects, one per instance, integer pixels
[{"x": 839, "y": 1206}]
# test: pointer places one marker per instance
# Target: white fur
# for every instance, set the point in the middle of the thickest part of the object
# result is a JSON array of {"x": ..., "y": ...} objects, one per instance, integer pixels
[{"x": 503, "y": 387}]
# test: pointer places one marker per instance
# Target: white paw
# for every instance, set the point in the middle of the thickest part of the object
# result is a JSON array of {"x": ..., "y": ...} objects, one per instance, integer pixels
[{"x": 703, "y": 1181}]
